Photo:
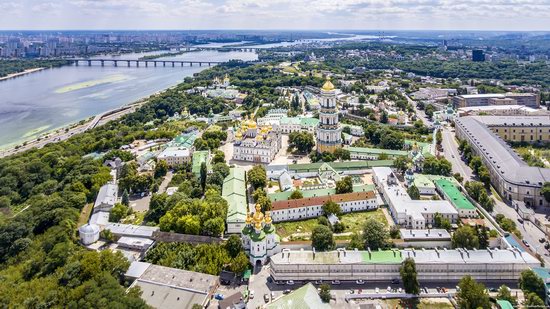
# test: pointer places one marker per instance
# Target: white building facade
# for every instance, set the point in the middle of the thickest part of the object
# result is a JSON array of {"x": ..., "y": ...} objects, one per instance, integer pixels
[{"x": 307, "y": 208}]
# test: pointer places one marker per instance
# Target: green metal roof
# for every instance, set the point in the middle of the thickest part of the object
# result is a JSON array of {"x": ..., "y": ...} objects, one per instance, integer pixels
[
  {"x": 309, "y": 122},
  {"x": 504, "y": 304},
  {"x": 284, "y": 196},
  {"x": 198, "y": 158},
  {"x": 421, "y": 181},
  {"x": 382, "y": 257},
  {"x": 305, "y": 297},
  {"x": 453, "y": 194},
  {"x": 377, "y": 151},
  {"x": 234, "y": 192},
  {"x": 184, "y": 140},
  {"x": 339, "y": 166}
]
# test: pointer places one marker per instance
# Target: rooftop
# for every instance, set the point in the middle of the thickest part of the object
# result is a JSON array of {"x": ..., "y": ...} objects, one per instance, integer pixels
[
  {"x": 305, "y": 297},
  {"x": 132, "y": 230},
  {"x": 320, "y": 200},
  {"x": 338, "y": 166},
  {"x": 198, "y": 158},
  {"x": 234, "y": 192},
  {"x": 376, "y": 151},
  {"x": 454, "y": 195},
  {"x": 424, "y": 256},
  {"x": 165, "y": 287},
  {"x": 403, "y": 203},
  {"x": 427, "y": 234},
  {"x": 283, "y": 196},
  {"x": 498, "y": 154}
]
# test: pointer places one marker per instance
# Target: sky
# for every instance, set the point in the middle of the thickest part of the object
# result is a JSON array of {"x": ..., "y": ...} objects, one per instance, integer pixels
[{"x": 276, "y": 14}]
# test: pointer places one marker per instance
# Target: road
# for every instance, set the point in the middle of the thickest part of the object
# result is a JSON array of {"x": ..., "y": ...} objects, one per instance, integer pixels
[
  {"x": 260, "y": 285},
  {"x": 529, "y": 231},
  {"x": 419, "y": 113},
  {"x": 451, "y": 153},
  {"x": 65, "y": 133}
]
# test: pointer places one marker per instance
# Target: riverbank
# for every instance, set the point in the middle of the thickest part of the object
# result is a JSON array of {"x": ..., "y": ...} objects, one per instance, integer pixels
[
  {"x": 13, "y": 75},
  {"x": 64, "y": 132}
]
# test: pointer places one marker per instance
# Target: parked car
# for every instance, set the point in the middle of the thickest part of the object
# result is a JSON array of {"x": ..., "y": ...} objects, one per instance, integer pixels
[
  {"x": 520, "y": 220},
  {"x": 286, "y": 291},
  {"x": 266, "y": 298},
  {"x": 426, "y": 290},
  {"x": 290, "y": 282},
  {"x": 335, "y": 282},
  {"x": 525, "y": 243},
  {"x": 318, "y": 282},
  {"x": 377, "y": 290},
  {"x": 389, "y": 289},
  {"x": 399, "y": 290},
  {"x": 272, "y": 295},
  {"x": 394, "y": 281},
  {"x": 542, "y": 240},
  {"x": 251, "y": 294},
  {"x": 219, "y": 296},
  {"x": 351, "y": 291},
  {"x": 360, "y": 281}
]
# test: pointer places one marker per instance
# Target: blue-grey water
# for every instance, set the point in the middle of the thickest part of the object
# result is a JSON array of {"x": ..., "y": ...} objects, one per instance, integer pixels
[{"x": 36, "y": 103}]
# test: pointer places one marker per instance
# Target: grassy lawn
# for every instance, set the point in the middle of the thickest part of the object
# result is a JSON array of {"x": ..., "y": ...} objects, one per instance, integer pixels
[
  {"x": 495, "y": 194},
  {"x": 135, "y": 218},
  {"x": 352, "y": 221},
  {"x": 85, "y": 214}
]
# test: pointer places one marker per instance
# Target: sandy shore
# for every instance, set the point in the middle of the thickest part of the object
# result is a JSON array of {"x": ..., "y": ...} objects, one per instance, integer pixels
[{"x": 21, "y": 73}]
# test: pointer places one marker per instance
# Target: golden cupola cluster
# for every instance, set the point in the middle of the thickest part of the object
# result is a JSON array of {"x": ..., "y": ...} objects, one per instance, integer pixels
[
  {"x": 257, "y": 219},
  {"x": 249, "y": 128}
]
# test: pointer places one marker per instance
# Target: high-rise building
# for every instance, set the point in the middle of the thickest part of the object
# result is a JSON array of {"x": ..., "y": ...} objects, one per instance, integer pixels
[
  {"x": 329, "y": 133},
  {"x": 478, "y": 55}
]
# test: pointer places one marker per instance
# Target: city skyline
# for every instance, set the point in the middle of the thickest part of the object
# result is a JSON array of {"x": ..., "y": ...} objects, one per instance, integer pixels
[{"x": 528, "y": 15}]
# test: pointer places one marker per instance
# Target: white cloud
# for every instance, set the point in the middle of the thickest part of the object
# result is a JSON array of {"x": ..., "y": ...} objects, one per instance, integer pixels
[{"x": 279, "y": 14}]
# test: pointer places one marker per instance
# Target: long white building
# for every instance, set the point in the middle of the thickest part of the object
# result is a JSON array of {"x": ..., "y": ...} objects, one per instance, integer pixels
[
  {"x": 312, "y": 207},
  {"x": 431, "y": 265},
  {"x": 409, "y": 213}
]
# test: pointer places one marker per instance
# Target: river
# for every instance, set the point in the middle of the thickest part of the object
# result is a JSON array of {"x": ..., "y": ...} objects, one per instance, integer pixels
[
  {"x": 36, "y": 103},
  {"x": 33, "y": 104}
]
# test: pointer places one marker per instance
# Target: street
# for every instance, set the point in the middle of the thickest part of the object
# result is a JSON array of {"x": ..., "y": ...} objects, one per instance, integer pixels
[{"x": 260, "y": 285}]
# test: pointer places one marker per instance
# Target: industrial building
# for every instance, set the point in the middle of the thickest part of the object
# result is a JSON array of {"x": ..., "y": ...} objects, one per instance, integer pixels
[{"x": 510, "y": 98}]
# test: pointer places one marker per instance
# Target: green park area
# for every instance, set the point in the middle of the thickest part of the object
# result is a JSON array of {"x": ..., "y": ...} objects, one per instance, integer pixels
[{"x": 301, "y": 230}]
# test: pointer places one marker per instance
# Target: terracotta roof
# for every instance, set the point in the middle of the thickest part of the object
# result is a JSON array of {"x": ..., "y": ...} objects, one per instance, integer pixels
[{"x": 320, "y": 200}]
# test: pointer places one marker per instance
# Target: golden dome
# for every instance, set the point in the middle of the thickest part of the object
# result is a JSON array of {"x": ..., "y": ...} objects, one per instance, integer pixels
[
  {"x": 258, "y": 215},
  {"x": 252, "y": 124},
  {"x": 268, "y": 217},
  {"x": 238, "y": 135},
  {"x": 328, "y": 86},
  {"x": 258, "y": 225},
  {"x": 248, "y": 218}
]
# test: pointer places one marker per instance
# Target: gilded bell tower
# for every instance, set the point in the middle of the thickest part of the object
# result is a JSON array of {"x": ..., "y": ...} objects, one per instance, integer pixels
[{"x": 329, "y": 133}]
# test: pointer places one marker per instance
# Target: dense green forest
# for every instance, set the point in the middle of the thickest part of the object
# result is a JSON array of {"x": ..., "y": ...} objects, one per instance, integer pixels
[{"x": 15, "y": 66}]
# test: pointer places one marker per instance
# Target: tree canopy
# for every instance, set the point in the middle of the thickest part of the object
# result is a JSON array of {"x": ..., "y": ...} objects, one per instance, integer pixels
[{"x": 322, "y": 239}]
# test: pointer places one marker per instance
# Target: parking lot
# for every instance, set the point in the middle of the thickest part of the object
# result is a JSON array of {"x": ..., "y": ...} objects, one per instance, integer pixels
[{"x": 261, "y": 284}]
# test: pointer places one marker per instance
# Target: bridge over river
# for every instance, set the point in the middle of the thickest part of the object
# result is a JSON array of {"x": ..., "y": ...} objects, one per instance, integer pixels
[{"x": 144, "y": 62}]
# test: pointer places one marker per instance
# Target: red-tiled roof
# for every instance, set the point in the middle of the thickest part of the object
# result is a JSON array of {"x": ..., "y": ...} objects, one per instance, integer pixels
[{"x": 320, "y": 200}]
